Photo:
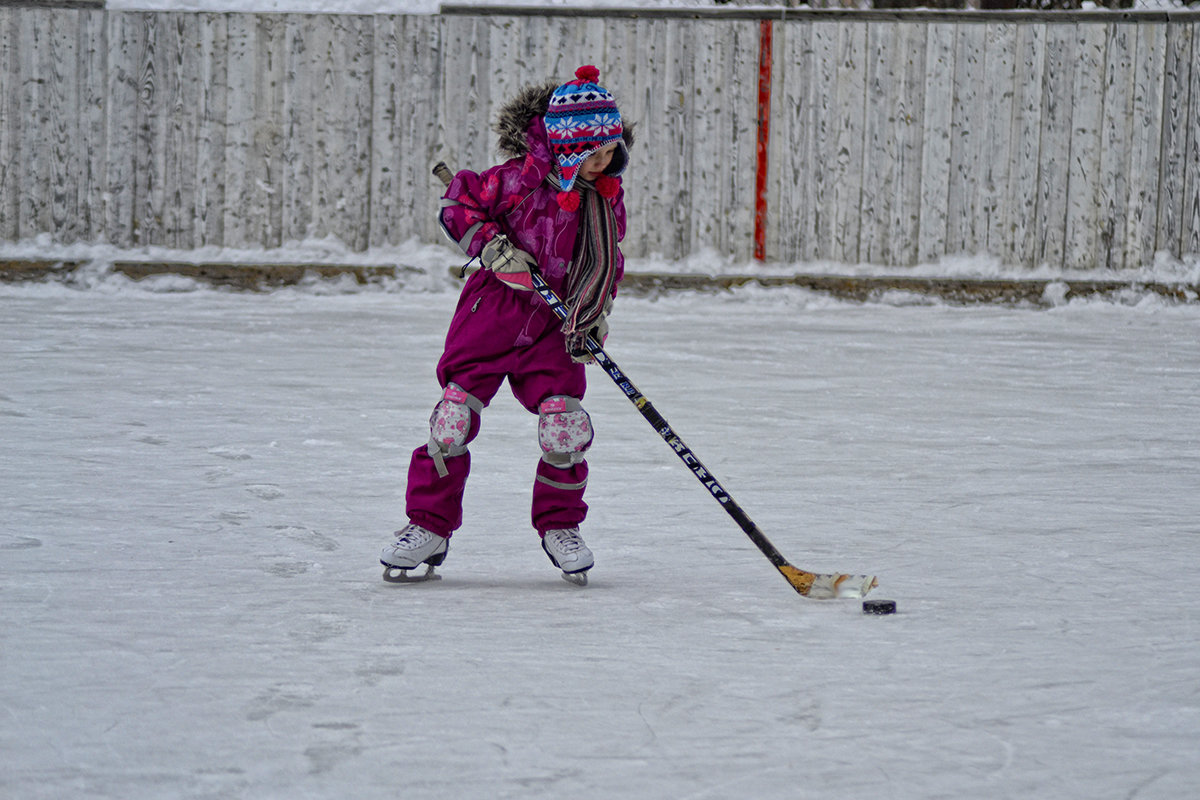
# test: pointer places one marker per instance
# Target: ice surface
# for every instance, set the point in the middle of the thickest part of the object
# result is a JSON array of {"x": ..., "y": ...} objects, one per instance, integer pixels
[{"x": 195, "y": 485}]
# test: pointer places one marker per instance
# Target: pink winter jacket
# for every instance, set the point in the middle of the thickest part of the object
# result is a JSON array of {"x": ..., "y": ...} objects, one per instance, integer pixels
[{"x": 515, "y": 199}]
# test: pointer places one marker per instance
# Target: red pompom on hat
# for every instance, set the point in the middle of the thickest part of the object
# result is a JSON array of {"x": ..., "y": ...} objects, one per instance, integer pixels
[
  {"x": 608, "y": 186},
  {"x": 568, "y": 201}
]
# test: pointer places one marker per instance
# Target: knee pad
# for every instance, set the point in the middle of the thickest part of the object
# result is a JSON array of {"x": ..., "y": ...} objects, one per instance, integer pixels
[
  {"x": 564, "y": 431},
  {"x": 450, "y": 425}
]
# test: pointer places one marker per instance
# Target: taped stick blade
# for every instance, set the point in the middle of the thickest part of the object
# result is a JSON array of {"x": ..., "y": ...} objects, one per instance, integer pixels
[{"x": 831, "y": 586}]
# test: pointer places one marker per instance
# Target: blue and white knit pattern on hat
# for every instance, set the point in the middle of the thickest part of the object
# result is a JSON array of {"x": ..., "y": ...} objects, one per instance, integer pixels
[{"x": 581, "y": 119}]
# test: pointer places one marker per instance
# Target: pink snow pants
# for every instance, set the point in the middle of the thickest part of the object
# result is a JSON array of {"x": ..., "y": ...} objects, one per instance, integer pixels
[{"x": 498, "y": 333}]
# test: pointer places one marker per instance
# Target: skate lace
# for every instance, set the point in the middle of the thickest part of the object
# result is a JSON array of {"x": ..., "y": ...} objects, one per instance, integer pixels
[
  {"x": 568, "y": 541},
  {"x": 412, "y": 536}
]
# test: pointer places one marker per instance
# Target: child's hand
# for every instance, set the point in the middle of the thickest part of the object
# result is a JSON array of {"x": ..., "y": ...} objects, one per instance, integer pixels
[
  {"x": 576, "y": 343},
  {"x": 499, "y": 255}
]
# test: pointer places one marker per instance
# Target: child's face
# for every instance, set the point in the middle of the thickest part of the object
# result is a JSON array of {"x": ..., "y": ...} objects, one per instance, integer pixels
[{"x": 595, "y": 164}]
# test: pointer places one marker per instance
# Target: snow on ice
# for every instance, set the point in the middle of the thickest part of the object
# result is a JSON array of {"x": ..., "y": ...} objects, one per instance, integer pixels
[{"x": 195, "y": 485}]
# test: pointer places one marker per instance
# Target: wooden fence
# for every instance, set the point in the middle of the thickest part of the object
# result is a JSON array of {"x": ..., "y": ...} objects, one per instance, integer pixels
[{"x": 1064, "y": 139}]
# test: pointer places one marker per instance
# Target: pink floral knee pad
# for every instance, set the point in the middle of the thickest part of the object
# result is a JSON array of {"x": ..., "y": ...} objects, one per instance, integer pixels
[
  {"x": 450, "y": 425},
  {"x": 564, "y": 431}
]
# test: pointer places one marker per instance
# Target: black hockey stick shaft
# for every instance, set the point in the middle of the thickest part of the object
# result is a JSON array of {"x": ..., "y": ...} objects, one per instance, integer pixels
[{"x": 801, "y": 580}]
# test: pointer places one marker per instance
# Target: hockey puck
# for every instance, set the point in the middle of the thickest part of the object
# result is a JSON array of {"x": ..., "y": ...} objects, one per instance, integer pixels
[{"x": 879, "y": 606}]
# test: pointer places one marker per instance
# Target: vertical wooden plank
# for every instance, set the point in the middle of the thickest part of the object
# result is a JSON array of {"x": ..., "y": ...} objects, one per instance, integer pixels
[
  {"x": 149, "y": 187},
  {"x": 968, "y": 150},
  {"x": 665, "y": 92},
  {"x": 849, "y": 108},
  {"x": 92, "y": 66},
  {"x": 677, "y": 164},
  {"x": 632, "y": 39},
  {"x": 9, "y": 115},
  {"x": 640, "y": 177},
  {"x": 563, "y": 49},
  {"x": 125, "y": 35},
  {"x": 936, "y": 142},
  {"x": 404, "y": 146},
  {"x": 879, "y": 152},
  {"x": 1172, "y": 210},
  {"x": 419, "y": 86},
  {"x": 342, "y": 112},
  {"x": 619, "y": 74},
  {"x": 1022, "y": 198},
  {"x": 590, "y": 40},
  {"x": 1117, "y": 133},
  {"x": 633, "y": 107},
  {"x": 181, "y": 94},
  {"x": 736, "y": 205},
  {"x": 505, "y": 73},
  {"x": 663, "y": 213},
  {"x": 386, "y": 112},
  {"x": 572, "y": 42},
  {"x": 702, "y": 228},
  {"x": 357, "y": 126},
  {"x": 797, "y": 127},
  {"x": 705, "y": 226},
  {"x": 253, "y": 151},
  {"x": 1141, "y": 225},
  {"x": 901, "y": 143},
  {"x": 1082, "y": 247},
  {"x": 1190, "y": 234},
  {"x": 241, "y": 212},
  {"x": 211, "y": 109},
  {"x": 33, "y": 62},
  {"x": 705, "y": 63},
  {"x": 534, "y": 34},
  {"x": 826, "y": 36},
  {"x": 907, "y": 138},
  {"x": 65, "y": 147},
  {"x": 647, "y": 224},
  {"x": 891, "y": 186},
  {"x": 297, "y": 114},
  {"x": 465, "y": 94},
  {"x": 509, "y": 71},
  {"x": 790, "y": 139},
  {"x": 447, "y": 126},
  {"x": 269, "y": 153},
  {"x": 996, "y": 156},
  {"x": 544, "y": 36},
  {"x": 27, "y": 132},
  {"x": 1054, "y": 158}
]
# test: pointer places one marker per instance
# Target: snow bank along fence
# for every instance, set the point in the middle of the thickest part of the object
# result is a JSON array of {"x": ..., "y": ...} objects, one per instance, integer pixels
[{"x": 1068, "y": 139}]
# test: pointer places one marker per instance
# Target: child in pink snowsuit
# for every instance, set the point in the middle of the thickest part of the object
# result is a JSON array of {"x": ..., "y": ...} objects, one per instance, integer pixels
[{"x": 557, "y": 206}]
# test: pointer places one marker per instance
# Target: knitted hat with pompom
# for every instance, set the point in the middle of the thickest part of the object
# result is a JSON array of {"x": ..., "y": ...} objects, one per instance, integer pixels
[{"x": 581, "y": 119}]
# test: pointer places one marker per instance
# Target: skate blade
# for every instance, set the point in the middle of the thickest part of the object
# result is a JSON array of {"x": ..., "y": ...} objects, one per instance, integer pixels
[
  {"x": 576, "y": 578},
  {"x": 401, "y": 575}
]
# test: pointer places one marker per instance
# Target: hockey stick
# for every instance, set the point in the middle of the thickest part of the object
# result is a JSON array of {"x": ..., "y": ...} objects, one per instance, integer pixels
[{"x": 816, "y": 586}]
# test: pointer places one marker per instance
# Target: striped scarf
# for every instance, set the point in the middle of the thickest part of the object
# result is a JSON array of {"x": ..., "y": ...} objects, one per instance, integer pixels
[{"x": 593, "y": 269}]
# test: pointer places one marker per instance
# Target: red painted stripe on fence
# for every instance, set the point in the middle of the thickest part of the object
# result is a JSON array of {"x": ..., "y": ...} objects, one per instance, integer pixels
[{"x": 764, "y": 138}]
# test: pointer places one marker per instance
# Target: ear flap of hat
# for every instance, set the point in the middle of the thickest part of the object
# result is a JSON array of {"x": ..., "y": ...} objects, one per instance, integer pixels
[{"x": 620, "y": 159}]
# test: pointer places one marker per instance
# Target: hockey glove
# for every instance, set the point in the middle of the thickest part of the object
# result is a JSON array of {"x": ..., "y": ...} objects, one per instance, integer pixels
[{"x": 510, "y": 264}]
